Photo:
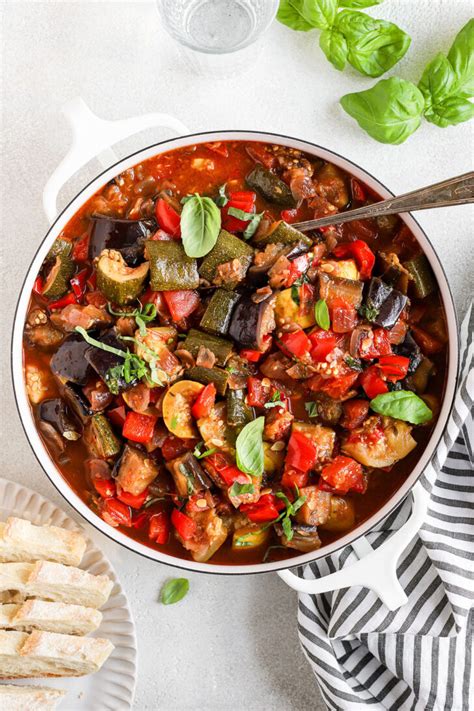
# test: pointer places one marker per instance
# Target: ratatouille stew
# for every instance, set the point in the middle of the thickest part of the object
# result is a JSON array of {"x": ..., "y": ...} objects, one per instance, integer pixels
[{"x": 218, "y": 384}]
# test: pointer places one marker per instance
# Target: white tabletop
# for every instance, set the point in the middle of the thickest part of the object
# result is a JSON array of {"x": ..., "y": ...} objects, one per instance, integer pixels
[{"x": 232, "y": 643}]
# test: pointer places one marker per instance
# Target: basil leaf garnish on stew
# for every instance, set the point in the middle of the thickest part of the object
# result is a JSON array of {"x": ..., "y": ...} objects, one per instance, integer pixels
[
  {"x": 99, "y": 344},
  {"x": 311, "y": 408},
  {"x": 221, "y": 200},
  {"x": 249, "y": 448},
  {"x": 291, "y": 508},
  {"x": 321, "y": 314},
  {"x": 174, "y": 590},
  {"x": 402, "y": 405},
  {"x": 200, "y": 225},
  {"x": 238, "y": 489}
]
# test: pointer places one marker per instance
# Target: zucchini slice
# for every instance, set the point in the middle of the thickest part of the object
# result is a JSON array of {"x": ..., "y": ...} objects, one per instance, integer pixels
[
  {"x": 217, "y": 316},
  {"x": 219, "y": 346},
  {"x": 57, "y": 281},
  {"x": 238, "y": 412},
  {"x": 118, "y": 282},
  {"x": 177, "y": 405},
  {"x": 270, "y": 186},
  {"x": 209, "y": 375},
  {"x": 286, "y": 235},
  {"x": 170, "y": 267},
  {"x": 60, "y": 248},
  {"x": 227, "y": 248},
  {"x": 100, "y": 438}
]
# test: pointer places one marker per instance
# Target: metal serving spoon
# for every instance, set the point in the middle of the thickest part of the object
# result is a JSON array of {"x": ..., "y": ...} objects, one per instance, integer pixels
[{"x": 454, "y": 191}]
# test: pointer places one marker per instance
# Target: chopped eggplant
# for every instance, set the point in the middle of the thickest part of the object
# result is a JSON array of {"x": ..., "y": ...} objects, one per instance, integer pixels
[
  {"x": 238, "y": 412},
  {"x": 77, "y": 401},
  {"x": 424, "y": 282},
  {"x": 341, "y": 515},
  {"x": 316, "y": 508},
  {"x": 332, "y": 288},
  {"x": 410, "y": 349},
  {"x": 252, "y": 321},
  {"x": 103, "y": 361},
  {"x": 219, "y": 346},
  {"x": 56, "y": 413},
  {"x": 100, "y": 439},
  {"x": 69, "y": 362},
  {"x": 217, "y": 316},
  {"x": 383, "y": 304},
  {"x": 85, "y": 315},
  {"x": 270, "y": 186},
  {"x": 231, "y": 252},
  {"x": 136, "y": 471},
  {"x": 118, "y": 282},
  {"x": 188, "y": 475},
  {"x": 305, "y": 537},
  {"x": 329, "y": 410},
  {"x": 210, "y": 375},
  {"x": 170, "y": 267},
  {"x": 418, "y": 381},
  {"x": 57, "y": 281},
  {"x": 394, "y": 273},
  {"x": 126, "y": 236},
  {"x": 393, "y": 443}
]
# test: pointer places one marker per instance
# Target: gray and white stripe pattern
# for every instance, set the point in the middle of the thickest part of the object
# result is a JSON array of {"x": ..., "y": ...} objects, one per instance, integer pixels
[{"x": 419, "y": 657}]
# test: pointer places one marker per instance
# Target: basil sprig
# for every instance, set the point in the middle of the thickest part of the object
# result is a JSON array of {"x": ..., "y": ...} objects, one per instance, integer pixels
[
  {"x": 253, "y": 219},
  {"x": 402, "y": 405},
  {"x": 393, "y": 109},
  {"x": 143, "y": 315},
  {"x": 174, "y": 590},
  {"x": 200, "y": 225},
  {"x": 249, "y": 448},
  {"x": 291, "y": 508},
  {"x": 321, "y": 314},
  {"x": 238, "y": 489}
]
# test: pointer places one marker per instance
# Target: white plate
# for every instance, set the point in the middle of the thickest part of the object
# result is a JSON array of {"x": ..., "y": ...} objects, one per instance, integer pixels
[{"x": 111, "y": 688}]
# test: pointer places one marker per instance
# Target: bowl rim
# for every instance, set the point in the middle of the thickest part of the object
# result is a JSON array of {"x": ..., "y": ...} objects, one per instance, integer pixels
[{"x": 23, "y": 405}]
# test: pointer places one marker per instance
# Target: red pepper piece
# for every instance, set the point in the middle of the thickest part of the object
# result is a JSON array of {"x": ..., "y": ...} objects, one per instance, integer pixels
[
  {"x": 267, "y": 508},
  {"x": 78, "y": 283},
  {"x": 181, "y": 303},
  {"x": 289, "y": 216},
  {"x": 204, "y": 402},
  {"x": 394, "y": 367},
  {"x": 379, "y": 346},
  {"x": 167, "y": 217},
  {"x": 159, "y": 528},
  {"x": 297, "y": 267},
  {"x": 223, "y": 467},
  {"x": 354, "y": 413},
  {"x": 38, "y": 286},
  {"x": 219, "y": 148},
  {"x": 105, "y": 487},
  {"x": 62, "y": 302},
  {"x": 257, "y": 393},
  {"x": 344, "y": 474},
  {"x": 343, "y": 316},
  {"x": 184, "y": 525},
  {"x": 295, "y": 343},
  {"x": 361, "y": 252},
  {"x": 139, "y": 520},
  {"x": 301, "y": 453},
  {"x": 358, "y": 192},
  {"x": 372, "y": 382},
  {"x": 80, "y": 250},
  {"x": 243, "y": 200},
  {"x": 293, "y": 477},
  {"x": 138, "y": 427},
  {"x": 323, "y": 342},
  {"x": 254, "y": 356},
  {"x": 117, "y": 415},
  {"x": 336, "y": 387},
  {"x": 135, "y": 501},
  {"x": 119, "y": 512}
]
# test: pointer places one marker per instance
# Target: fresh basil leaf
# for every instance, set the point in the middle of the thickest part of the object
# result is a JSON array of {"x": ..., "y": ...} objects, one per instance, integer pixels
[
  {"x": 374, "y": 46},
  {"x": 252, "y": 226},
  {"x": 275, "y": 400},
  {"x": 221, "y": 200},
  {"x": 249, "y": 448},
  {"x": 450, "y": 112},
  {"x": 200, "y": 225},
  {"x": 311, "y": 408},
  {"x": 358, "y": 4},
  {"x": 461, "y": 56},
  {"x": 402, "y": 405},
  {"x": 240, "y": 214},
  {"x": 201, "y": 455},
  {"x": 445, "y": 104},
  {"x": 320, "y": 13},
  {"x": 185, "y": 199},
  {"x": 291, "y": 508},
  {"x": 295, "y": 294},
  {"x": 239, "y": 489},
  {"x": 353, "y": 363},
  {"x": 334, "y": 45},
  {"x": 390, "y": 111},
  {"x": 290, "y": 13},
  {"x": 287, "y": 529},
  {"x": 174, "y": 590},
  {"x": 321, "y": 314}
]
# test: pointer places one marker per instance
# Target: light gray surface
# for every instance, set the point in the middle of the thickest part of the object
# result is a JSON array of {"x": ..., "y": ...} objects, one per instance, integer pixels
[{"x": 232, "y": 643}]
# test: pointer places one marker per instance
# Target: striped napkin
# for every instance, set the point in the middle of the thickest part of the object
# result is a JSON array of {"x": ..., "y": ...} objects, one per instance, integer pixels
[{"x": 419, "y": 657}]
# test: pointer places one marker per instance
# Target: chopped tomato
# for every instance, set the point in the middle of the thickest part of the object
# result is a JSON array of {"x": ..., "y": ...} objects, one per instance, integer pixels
[
  {"x": 394, "y": 367},
  {"x": 204, "y": 402},
  {"x": 267, "y": 508},
  {"x": 174, "y": 447},
  {"x": 167, "y": 217},
  {"x": 301, "y": 453},
  {"x": 139, "y": 520},
  {"x": 78, "y": 283},
  {"x": 354, "y": 413},
  {"x": 289, "y": 216},
  {"x": 254, "y": 356},
  {"x": 428, "y": 344},
  {"x": 96, "y": 298},
  {"x": 361, "y": 252},
  {"x": 344, "y": 474},
  {"x": 184, "y": 525},
  {"x": 135, "y": 501},
  {"x": 372, "y": 382},
  {"x": 219, "y": 148},
  {"x": 62, "y": 302},
  {"x": 224, "y": 468},
  {"x": 138, "y": 427},
  {"x": 243, "y": 200},
  {"x": 159, "y": 528},
  {"x": 80, "y": 250},
  {"x": 293, "y": 477},
  {"x": 117, "y": 415},
  {"x": 118, "y": 511},
  {"x": 343, "y": 316},
  {"x": 335, "y": 386},
  {"x": 181, "y": 303},
  {"x": 376, "y": 347},
  {"x": 295, "y": 343},
  {"x": 38, "y": 286},
  {"x": 105, "y": 487},
  {"x": 298, "y": 267},
  {"x": 323, "y": 342},
  {"x": 358, "y": 192}
]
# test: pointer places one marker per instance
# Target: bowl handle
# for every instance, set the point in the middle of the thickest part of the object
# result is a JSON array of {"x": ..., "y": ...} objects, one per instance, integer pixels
[
  {"x": 375, "y": 569},
  {"x": 93, "y": 138}
]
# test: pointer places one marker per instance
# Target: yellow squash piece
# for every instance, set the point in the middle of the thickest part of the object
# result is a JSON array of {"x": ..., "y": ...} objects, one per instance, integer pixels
[
  {"x": 288, "y": 311},
  {"x": 249, "y": 537},
  {"x": 177, "y": 405}
]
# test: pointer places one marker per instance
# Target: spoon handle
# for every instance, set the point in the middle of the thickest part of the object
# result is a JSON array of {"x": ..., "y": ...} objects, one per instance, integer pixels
[{"x": 454, "y": 191}]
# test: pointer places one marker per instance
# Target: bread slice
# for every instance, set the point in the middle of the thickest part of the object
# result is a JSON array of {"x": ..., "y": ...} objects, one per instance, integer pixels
[
  {"x": 49, "y": 616},
  {"x": 21, "y": 541},
  {"x": 55, "y": 582},
  {"x": 29, "y": 698},
  {"x": 50, "y": 654}
]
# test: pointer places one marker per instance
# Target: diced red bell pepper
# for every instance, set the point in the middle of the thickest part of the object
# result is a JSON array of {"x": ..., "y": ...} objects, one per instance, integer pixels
[
  {"x": 243, "y": 200},
  {"x": 289, "y": 216},
  {"x": 224, "y": 468},
  {"x": 92, "y": 281},
  {"x": 174, "y": 447},
  {"x": 96, "y": 298},
  {"x": 394, "y": 367},
  {"x": 62, "y": 302},
  {"x": 298, "y": 267},
  {"x": 204, "y": 402},
  {"x": 105, "y": 487},
  {"x": 295, "y": 343},
  {"x": 293, "y": 477},
  {"x": 323, "y": 342},
  {"x": 254, "y": 356},
  {"x": 159, "y": 528},
  {"x": 167, "y": 217},
  {"x": 78, "y": 283},
  {"x": 336, "y": 386},
  {"x": 344, "y": 316},
  {"x": 354, "y": 413},
  {"x": 372, "y": 382},
  {"x": 181, "y": 303},
  {"x": 135, "y": 501},
  {"x": 267, "y": 508},
  {"x": 184, "y": 525},
  {"x": 344, "y": 474},
  {"x": 139, "y": 520},
  {"x": 257, "y": 393},
  {"x": 219, "y": 148},
  {"x": 117, "y": 415},
  {"x": 301, "y": 453},
  {"x": 80, "y": 250},
  {"x": 358, "y": 192},
  {"x": 38, "y": 286},
  {"x": 119, "y": 512},
  {"x": 379, "y": 346},
  {"x": 361, "y": 252},
  {"x": 138, "y": 427},
  {"x": 428, "y": 344}
]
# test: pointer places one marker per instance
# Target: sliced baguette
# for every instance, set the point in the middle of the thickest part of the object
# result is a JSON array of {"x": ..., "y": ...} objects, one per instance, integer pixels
[
  {"x": 42, "y": 654},
  {"x": 55, "y": 582},
  {"x": 21, "y": 541},
  {"x": 50, "y": 617},
  {"x": 29, "y": 698}
]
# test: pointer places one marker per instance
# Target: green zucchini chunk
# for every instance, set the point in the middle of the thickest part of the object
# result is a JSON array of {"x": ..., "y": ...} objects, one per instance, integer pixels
[
  {"x": 57, "y": 281},
  {"x": 209, "y": 375},
  {"x": 60, "y": 248},
  {"x": 170, "y": 267},
  {"x": 238, "y": 412},
  {"x": 118, "y": 282},
  {"x": 284, "y": 234},
  {"x": 227, "y": 248},
  {"x": 101, "y": 438},
  {"x": 219, "y": 346},
  {"x": 217, "y": 316},
  {"x": 270, "y": 187},
  {"x": 423, "y": 278}
]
